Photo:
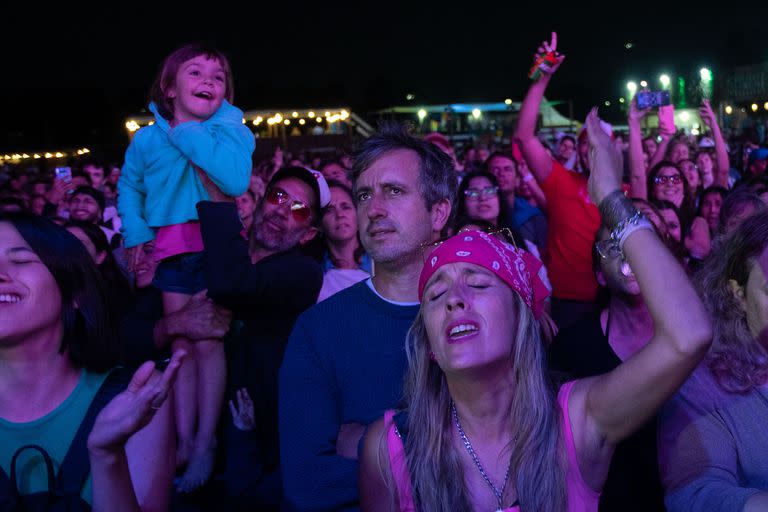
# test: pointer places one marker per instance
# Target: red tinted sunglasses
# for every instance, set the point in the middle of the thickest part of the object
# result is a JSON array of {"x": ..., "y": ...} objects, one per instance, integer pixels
[{"x": 299, "y": 209}]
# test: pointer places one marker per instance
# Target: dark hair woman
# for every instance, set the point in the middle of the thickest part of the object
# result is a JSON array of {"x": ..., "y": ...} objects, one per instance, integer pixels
[{"x": 57, "y": 350}]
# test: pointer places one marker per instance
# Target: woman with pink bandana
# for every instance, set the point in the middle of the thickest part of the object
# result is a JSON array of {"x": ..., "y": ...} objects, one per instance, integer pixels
[{"x": 484, "y": 427}]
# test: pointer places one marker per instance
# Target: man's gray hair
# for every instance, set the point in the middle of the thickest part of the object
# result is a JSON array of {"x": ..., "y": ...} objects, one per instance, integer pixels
[{"x": 437, "y": 177}]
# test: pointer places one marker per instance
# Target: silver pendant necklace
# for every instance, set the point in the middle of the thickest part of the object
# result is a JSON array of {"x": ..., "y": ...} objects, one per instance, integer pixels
[{"x": 499, "y": 494}]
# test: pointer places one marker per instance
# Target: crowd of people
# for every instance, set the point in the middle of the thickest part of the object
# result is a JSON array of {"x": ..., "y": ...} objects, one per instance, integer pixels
[{"x": 576, "y": 324}]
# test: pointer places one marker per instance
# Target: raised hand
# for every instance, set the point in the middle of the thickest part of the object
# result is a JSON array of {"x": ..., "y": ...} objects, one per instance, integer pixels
[
  {"x": 707, "y": 114},
  {"x": 134, "y": 408},
  {"x": 605, "y": 158},
  {"x": 58, "y": 191},
  {"x": 636, "y": 114},
  {"x": 244, "y": 415},
  {"x": 545, "y": 48}
]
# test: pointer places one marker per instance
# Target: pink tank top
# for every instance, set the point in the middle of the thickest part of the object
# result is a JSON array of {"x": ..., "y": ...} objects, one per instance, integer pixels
[{"x": 579, "y": 496}]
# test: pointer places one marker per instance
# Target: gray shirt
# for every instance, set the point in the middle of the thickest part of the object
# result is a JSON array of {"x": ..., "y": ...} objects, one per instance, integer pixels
[{"x": 713, "y": 446}]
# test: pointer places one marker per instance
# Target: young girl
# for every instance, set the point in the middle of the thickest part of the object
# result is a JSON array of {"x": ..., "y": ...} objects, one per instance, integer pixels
[{"x": 197, "y": 135}]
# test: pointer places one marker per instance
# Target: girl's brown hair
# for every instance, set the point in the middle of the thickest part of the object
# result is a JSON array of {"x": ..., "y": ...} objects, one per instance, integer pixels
[{"x": 170, "y": 68}]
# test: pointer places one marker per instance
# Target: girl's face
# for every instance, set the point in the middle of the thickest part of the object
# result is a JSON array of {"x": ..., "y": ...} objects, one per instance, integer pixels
[
  {"x": 691, "y": 173},
  {"x": 668, "y": 185},
  {"x": 198, "y": 90},
  {"x": 482, "y": 200},
  {"x": 710, "y": 210},
  {"x": 340, "y": 219},
  {"x": 30, "y": 300},
  {"x": 673, "y": 224},
  {"x": 706, "y": 169}
]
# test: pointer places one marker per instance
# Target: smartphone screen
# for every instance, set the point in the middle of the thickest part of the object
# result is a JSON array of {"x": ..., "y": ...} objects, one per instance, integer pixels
[
  {"x": 64, "y": 174},
  {"x": 648, "y": 99}
]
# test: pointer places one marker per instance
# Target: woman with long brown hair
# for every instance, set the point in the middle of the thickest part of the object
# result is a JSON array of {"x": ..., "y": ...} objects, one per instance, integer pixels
[
  {"x": 713, "y": 438},
  {"x": 484, "y": 427}
]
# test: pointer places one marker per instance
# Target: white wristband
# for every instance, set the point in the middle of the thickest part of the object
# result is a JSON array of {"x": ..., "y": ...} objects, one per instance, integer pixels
[{"x": 630, "y": 228}]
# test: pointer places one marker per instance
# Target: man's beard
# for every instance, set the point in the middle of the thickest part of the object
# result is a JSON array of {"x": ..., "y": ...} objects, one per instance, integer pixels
[{"x": 279, "y": 242}]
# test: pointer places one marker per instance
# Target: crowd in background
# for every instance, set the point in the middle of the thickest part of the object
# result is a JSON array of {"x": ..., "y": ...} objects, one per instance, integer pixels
[{"x": 277, "y": 297}]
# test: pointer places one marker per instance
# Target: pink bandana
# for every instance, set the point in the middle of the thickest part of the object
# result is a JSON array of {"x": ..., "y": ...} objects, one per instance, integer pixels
[{"x": 518, "y": 268}]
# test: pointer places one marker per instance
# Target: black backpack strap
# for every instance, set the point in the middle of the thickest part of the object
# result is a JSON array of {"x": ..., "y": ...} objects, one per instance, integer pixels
[
  {"x": 48, "y": 467},
  {"x": 76, "y": 466}
]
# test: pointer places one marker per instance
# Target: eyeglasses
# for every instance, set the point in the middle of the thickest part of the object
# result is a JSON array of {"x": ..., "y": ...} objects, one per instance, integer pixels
[
  {"x": 675, "y": 179},
  {"x": 503, "y": 234},
  {"x": 608, "y": 249},
  {"x": 474, "y": 193},
  {"x": 299, "y": 209}
]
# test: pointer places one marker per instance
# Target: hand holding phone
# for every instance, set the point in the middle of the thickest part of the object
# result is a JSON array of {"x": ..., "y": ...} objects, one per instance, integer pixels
[{"x": 651, "y": 99}]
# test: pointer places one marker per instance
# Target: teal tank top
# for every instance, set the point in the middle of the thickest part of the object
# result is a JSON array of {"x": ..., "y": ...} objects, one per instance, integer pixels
[{"x": 54, "y": 432}]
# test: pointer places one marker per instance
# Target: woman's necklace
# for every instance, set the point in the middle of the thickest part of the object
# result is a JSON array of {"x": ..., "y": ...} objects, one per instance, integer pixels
[{"x": 496, "y": 492}]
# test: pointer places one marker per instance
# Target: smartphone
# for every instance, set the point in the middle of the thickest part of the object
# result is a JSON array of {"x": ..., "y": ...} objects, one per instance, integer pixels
[
  {"x": 649, "y": 99},
  {"x": 64, "y": 174},
  {"x": 667, "y": 119}
]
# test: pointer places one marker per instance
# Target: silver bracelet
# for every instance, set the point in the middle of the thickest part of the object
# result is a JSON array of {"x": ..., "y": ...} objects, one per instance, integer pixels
[{"x": 628, "y": 226}]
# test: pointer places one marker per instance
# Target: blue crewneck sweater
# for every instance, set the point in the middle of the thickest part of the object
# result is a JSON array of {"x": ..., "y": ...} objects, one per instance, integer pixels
[
  {"x": 344, "y": 363},
  {"x": 159, "y": 185}
]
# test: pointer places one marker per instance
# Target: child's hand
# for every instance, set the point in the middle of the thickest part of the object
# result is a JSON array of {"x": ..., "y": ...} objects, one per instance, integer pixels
[
  {"x": 134, "y": 255},
  {"x": 243, "y": 416}
]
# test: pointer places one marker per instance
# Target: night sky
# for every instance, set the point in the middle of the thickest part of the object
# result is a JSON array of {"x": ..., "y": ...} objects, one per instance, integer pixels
[{"x": 71, "y": 78}]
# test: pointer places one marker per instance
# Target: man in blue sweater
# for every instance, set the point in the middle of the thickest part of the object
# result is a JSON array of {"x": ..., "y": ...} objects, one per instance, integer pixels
[{"x": 345, "y": 359}]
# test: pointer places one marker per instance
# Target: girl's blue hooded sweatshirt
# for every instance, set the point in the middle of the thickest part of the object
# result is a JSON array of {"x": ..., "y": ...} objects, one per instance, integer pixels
[{"x": 159, "y": 185}]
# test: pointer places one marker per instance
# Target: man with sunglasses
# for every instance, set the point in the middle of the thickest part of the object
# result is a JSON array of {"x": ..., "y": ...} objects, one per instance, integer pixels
[
  {"x": 598, "y": 343},
  {"x": 345, "y": 359},
  {"x": 267, "y": 282}
]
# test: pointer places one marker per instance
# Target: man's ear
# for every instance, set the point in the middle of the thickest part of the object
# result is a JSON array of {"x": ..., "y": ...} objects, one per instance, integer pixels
[
  {"x": 441, "y": 212},
  {"x": 100, "y": 257},
  {"x": 308, "y": 235},
  {"x": 738, "y": 292},
  {"x": 601, "y": 278}
]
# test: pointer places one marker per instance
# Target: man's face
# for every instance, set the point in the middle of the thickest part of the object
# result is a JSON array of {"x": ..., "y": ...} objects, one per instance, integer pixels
[
  {"x": 280, "y": 222},
  {"x": 40, "y": 189},
  {"x": 505, "y": 172},
  {"x": 566, "y": 149},
  {"x": 649, "y": 146},
  {"x": 584, "y": 153},
  {"x": 391, "y": 213},
  {"x": 84, "y": 208},
  {"x": 679, "y": 153},
  {"x": 757, "y": 168},
  {"x": 334, "y": 171},
  {"x": 96, "y": 174}
]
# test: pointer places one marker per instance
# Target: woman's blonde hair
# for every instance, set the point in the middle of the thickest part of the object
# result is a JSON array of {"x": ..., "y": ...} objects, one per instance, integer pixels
[{"x": 537, "y": 464}]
